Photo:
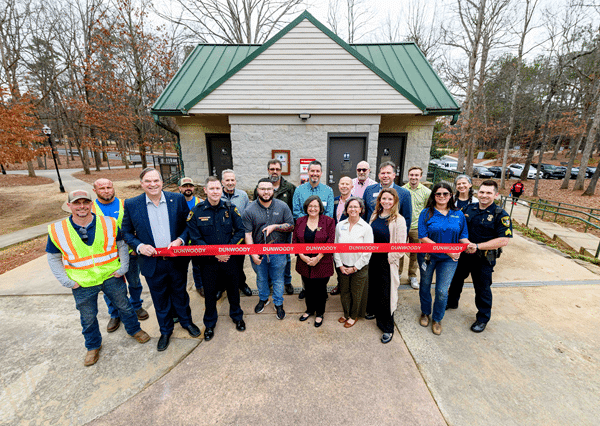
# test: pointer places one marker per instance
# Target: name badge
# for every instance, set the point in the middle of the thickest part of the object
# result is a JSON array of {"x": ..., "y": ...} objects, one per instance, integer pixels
[
  {"x": 344, "y": 228},
  {"x": 375, "y": 195},
  {"x": 325, "y": 203}
]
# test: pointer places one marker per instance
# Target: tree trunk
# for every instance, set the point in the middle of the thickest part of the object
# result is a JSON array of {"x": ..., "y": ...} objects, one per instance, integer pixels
[
  {"x": 530, "y": 152},
  {"x": 591, "y": 189},
  {"x": 97, "y": 157},
  {"x": 541, "y": 158},
  {"x": 591, "y": 138},
  {"x": 557, "y": 148},
  {"x": 30, "y": 169}
]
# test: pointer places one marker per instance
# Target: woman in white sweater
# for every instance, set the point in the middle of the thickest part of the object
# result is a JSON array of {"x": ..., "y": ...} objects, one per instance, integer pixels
[{"x": 353, "y": 268}]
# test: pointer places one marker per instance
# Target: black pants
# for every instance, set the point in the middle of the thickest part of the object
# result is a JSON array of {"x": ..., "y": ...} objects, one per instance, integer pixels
[
  {"x": 481, "y": 273},
  {"x": 378, "y": 303},
  {"x": 241, "y": 274},
  {"x": 216, "y": 275},
  {"x": 315, "y": 295},
  {"x": 169, "y": 294}
]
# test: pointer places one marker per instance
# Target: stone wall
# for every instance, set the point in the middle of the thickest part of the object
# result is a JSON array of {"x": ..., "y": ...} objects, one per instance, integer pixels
[
  {"x": 419, "y": 130},
  {"x": 192, "y": 133},
  {"x": 252, "y": 145}
]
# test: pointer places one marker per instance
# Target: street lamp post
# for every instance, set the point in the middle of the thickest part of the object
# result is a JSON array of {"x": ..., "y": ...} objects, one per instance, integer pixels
[{"x": 48, "y": 132}]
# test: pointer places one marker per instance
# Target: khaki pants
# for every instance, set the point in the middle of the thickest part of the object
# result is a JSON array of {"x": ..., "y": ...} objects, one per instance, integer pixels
[{"x": 413, "y": 238}]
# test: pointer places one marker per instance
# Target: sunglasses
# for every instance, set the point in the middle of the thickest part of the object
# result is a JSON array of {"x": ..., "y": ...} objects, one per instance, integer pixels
[
  {"x": 83, "y": 234},
  {"x": 442, "y": 194},
  {"x": 361, "y": 170}
]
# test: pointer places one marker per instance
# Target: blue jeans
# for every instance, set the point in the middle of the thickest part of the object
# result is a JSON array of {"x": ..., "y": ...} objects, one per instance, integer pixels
[
  {"x": 444, "y": 271},
  {"x": 86, "y": 302},
  {"x": 271, "y": 269},
  {"x": 287, "y": 275},
  {"x": 135, "y": 288}
]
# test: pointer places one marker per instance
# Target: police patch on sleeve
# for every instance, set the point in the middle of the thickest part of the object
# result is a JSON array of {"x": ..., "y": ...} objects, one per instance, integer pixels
[
  {"x": 506, "y": 221},
  {"x": 189, "y": 216}
]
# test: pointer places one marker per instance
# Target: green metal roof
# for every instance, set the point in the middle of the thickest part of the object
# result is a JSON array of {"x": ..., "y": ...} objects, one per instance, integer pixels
[{"x": 402, "y": 65}]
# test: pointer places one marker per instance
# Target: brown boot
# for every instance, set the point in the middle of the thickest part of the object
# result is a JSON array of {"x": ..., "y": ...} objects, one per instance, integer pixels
[
  {"x": 424, "y": 320},
  {"x": 141, "y": 336},
  {"x": 436, "y": 327},
  {"x": 92, "y": 357},
  {"x": 142, "y": 314},
  {"x": 113, "y": 324}
]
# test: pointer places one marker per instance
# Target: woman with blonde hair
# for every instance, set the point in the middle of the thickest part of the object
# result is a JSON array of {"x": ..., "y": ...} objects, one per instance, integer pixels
[{"x": 388, "y": 227}]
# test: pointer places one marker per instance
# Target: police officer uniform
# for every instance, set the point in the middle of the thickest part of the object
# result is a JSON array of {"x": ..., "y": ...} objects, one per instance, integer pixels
[
  {"x": 483, "y": 225},
  {"x": 217, "y": 225}
]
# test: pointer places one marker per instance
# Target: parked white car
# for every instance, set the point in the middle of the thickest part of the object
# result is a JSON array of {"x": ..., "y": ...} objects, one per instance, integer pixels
[{"x": 517, "y": 169}]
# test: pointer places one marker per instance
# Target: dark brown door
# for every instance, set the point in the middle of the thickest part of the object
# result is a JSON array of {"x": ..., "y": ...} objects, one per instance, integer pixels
[
  {"x": 392, "y": 147},
  {"x": 344, "y": 153},
  {"x": 218, "y": 147}
]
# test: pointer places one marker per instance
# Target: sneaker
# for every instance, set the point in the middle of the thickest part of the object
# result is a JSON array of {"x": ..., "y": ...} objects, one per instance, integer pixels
[
  {"x": 280, "y": 312},
  {"x": 414, "y": 283},
  {"x": 289, "y": 289},
  {"x": 301, "y": 294},
  {"x": 260, "y": 306}
]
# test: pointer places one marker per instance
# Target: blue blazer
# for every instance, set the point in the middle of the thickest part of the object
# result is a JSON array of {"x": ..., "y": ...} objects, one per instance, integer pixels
[
  {"x": 404, "y": 203},
  {"x": 136, "y": 226}
]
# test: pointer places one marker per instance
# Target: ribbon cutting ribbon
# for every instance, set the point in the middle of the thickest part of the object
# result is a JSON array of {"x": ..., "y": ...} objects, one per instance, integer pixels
[{"x": 215, "y": 250}]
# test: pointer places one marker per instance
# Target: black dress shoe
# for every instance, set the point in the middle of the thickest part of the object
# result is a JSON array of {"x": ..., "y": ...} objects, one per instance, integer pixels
[
  {"x": 369, "y": 316},
  {"x": 301, "y": 295},
  {"x": 219, "y": 294},
  {"x": 240, "y": 325},
  {"x": 478, "y": 327},
  {"x": 451, "y": 306},
  {"x": 209, "y": 333},
  {"x": 305, "y": 316},
  {"x": 163, "y": 342},
  {"x": 246, "y": 290},
  {"x": 200, "y": 291},
  {"x": 318, "y": 324},
  {"x": 386, "y": 337},
  {"x": 193, "y": 330}
]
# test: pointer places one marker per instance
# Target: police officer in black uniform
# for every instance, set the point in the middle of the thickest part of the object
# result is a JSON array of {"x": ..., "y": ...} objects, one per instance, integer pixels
[
  {"x": 217, "y": 222},
  {"x": 489, "y": 230}
]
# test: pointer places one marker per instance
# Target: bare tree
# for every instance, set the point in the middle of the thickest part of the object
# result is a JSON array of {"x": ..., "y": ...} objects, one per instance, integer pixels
[
  {"x": 349, "y": 18},
  {"x": 233, "y": 21}
]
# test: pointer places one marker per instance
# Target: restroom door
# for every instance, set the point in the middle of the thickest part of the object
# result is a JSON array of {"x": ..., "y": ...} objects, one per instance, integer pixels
[
  {"x": 218, "y": 147},
  {"x": 392, "y": 147},
  {"x": 344, "y": 153}
]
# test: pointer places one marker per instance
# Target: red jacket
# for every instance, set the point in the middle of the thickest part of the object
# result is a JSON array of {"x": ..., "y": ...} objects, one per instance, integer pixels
[{"x": 325, "y": 234}]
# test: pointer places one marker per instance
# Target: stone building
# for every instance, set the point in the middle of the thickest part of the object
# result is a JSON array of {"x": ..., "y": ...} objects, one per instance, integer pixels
[{"x": 304, "y": 94}]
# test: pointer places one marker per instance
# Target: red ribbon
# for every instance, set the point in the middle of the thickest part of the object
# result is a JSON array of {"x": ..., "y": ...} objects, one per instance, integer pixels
[{"x": 215, "y": 250}]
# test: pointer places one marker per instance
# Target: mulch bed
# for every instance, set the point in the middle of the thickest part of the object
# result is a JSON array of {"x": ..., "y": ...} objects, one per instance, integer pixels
[
  {"x": 19, "y": 254},
  {"x": 22, "y": 180}
]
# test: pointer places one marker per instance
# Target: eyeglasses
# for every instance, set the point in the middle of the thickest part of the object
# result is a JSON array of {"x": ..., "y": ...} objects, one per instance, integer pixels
[
  {"x": 442, "y": 194},
  {"x": 271, "y": 169},
  {"x": 361, "y": 170},
  {"x": 83, "y": 234}
]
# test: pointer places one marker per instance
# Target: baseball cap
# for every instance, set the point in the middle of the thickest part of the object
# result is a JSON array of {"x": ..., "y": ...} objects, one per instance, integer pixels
[
  {"x": 186, "y": 181},
  {"x": 79, "y": 194}
]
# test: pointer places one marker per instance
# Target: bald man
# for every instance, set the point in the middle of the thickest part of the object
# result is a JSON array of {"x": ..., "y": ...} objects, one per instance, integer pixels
[
  {"x": 362, "y": 180},
  {"x": 108, "y": 205}
]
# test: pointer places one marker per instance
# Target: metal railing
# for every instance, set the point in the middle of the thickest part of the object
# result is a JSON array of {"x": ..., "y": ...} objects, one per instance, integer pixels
[
  {"x": 436, "y": 174},
  {"x": 585, "y": 211},
  {"x": 544, "y": 207}
]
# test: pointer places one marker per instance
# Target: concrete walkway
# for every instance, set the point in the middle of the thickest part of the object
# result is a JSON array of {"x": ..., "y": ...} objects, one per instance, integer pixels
[
  {"x": 577, "y": 240},
  {"x": 536, "y": 363}
]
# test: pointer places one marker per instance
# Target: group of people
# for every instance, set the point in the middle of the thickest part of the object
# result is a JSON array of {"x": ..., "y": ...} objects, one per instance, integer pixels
[{"x": 106, "y": 243}]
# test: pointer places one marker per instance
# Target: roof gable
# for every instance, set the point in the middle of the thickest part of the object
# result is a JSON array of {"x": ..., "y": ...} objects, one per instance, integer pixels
[{"x": 210, "y": 66}]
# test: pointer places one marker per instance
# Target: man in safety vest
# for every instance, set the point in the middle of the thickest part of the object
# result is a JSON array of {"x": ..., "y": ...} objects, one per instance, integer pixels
[
  {"x": 108, "y": 204},
  {"x": 87, "y": 254},
  {"x": 186, "y": 188}
]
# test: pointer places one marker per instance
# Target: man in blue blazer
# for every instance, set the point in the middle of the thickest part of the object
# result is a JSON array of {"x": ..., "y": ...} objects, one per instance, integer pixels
[
  {"x": 157, "y": 219},
  {"x": 387, "y": 174}
]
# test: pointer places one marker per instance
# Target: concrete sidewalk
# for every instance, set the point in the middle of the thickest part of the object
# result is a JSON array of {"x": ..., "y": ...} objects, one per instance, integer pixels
[
  {"x": 541, "y": 348},
  {"x": 576, "y": 240}
]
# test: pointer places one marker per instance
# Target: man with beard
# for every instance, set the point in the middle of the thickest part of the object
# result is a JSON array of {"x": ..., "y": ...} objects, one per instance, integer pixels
[
  {"x": 107, "y": 204},
  {"x": 186, "y": 188},
  {"x": 239, "y": 199},
  {"x": 215, "y": 222},
  {"x": 268, "y": 221},
  {"x": 313, "y": 187},
  {"x": 284, "y": 191}
]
